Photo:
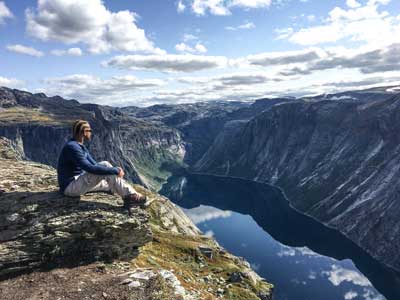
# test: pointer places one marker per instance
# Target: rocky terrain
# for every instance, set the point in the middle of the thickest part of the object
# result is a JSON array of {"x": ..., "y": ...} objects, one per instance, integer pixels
[
  {"x": 55, "y": 247},
  {"x": 40, "y": 125},
  {"x": 335, "y": 157},
  {"x": 150, "y": 143}
]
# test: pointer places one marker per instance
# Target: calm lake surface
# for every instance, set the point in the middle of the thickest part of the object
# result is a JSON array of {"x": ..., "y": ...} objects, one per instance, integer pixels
[{"x": 304, "y": 259}]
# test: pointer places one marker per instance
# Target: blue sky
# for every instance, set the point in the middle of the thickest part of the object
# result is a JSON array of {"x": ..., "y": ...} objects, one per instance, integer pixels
[{"x": 175, "y": 51}]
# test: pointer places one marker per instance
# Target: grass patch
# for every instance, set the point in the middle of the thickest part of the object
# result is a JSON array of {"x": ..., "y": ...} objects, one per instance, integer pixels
[{"x": 18, "y": 115}]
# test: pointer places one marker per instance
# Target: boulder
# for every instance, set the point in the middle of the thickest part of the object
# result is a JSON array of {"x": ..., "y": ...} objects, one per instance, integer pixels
[{"x": 40, "y": 227}]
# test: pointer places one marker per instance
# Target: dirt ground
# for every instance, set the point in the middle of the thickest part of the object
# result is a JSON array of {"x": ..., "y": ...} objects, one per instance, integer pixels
[{"x": 95, "y": 281}]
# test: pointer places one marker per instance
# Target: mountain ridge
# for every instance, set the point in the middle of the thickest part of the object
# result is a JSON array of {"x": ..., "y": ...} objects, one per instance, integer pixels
[{"x": 333, "y": 159}]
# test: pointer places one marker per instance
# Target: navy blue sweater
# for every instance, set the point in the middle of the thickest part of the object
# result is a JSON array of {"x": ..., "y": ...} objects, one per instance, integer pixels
[{"x": 73, "y": 160}]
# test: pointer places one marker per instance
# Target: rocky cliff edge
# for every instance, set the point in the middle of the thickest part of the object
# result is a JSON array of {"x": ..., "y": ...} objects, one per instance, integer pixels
[{"x": 55, "y": 247}]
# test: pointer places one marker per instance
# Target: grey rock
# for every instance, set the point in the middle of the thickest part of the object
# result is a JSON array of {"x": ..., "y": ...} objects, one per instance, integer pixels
[
  {"x": 265, "y": 295},
  {"x": 335, "y": 160},
  {"x": 40, "y": 126},
  {"x": 39, "y": 226},
  {"x": 206, "y": 251},
  {"x": 235, "y": 277}
]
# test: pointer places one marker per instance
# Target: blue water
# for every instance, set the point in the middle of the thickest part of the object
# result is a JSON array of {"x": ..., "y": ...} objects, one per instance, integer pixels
[{"x": 302, "y": 258}]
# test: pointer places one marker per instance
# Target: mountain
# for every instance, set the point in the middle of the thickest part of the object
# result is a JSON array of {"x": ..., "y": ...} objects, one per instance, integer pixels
[
  {"x": 335, "y": 157},
  {"x": 199, "y": 123},
  {"x": 39, "y": 126},
  {"x": 150, "y": 143}
]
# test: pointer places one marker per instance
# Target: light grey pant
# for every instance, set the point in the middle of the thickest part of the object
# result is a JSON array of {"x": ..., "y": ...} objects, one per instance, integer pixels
[{"x": 88, "y": 182}]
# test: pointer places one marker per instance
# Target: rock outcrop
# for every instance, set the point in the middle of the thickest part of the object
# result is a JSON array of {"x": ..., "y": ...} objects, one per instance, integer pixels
[
  {"x": 90, "y": 248},
  {"x": 335, "y": 160},
  {"x": 39, "y": 226}
]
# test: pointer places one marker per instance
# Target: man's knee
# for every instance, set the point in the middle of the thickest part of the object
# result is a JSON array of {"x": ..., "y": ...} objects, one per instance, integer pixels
[{"x": 105, "y": 163}]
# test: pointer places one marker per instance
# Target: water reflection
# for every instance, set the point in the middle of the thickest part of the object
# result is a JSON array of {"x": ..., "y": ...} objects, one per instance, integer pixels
[{"x": 270, "y": 210}]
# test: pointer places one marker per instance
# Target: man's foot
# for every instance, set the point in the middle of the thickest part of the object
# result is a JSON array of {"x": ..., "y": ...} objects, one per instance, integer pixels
[{"x": 134, "y": 200}]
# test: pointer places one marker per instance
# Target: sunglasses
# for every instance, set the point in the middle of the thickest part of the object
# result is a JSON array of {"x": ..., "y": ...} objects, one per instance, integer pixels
[{"x": 88, "y": 130}]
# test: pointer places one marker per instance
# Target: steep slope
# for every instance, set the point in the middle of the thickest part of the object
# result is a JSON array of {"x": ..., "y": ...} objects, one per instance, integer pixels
[
  {"x": 199, "y": 123},
  {"x": 335, "y": 160}
]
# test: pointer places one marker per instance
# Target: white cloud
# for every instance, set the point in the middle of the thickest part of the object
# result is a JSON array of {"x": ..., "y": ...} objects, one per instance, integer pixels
[
  {"x": 353, "y": 3},
  {"x": 180, "y": 7},
  {"x": 283, "y": 57},
  {"x": 223, "y": 7},
  {"x": 371, "y": 295},
  {"x": 199, "y": 48},
  {"x": 70, "y": 51},
  {"x": 247, "y": 25},
  {"x": 182, "y": 47},
  {"x": 311, "y": 18},
  {"x": 312, "y": 275},
  {"x": 350, "y": 295},
  {"x": 283, "y": 33},
  {"x": 166, "y": 63},
  {"x": 286, "y": 251},
  {"x": 88, "y": 22},
  {"x": 227, "y": 81},
  {"x": 305, "y": 251},
  {"x": 216, "y": 7},
  {"x": 366, "y": 60},
  {"x": 250, "y": 3},
  {"x": 4, "y": 12},
  {"x": 210, "y": 88},
  {"x": 24, "y": 50},
  {"x": 190, "y": 44},
  {"x": 242, "y": 79},
  {"x": 338, "y": 274},
  {"x": 189, "y": 37},
  {"x": 358, "y": 23},
  {"x": 204, "y": 213},
  {"x": 88, "y": 88},
  {"x": 10, "y": 82}
]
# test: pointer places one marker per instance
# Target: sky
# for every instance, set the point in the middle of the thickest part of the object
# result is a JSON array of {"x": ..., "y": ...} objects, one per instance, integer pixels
[{"x": 127, "y": 52}]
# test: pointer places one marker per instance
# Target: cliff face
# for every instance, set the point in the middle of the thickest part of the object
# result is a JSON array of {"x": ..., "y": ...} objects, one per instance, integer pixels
[
  {"x": 335, "y": 160},
  {"x": 39, "y": 126},
  {"x": 199, "y": 123},
  {"x": 149, "y": 143}
]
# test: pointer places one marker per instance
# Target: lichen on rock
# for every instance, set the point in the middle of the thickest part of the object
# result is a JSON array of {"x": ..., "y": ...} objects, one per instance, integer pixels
[{"x": 38, "y": 225}]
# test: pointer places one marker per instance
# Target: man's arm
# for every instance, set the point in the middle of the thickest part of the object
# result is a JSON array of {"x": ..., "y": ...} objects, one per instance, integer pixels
[
  {"x": 78, "y": 156},
  {"x": 90, "y": 158}
]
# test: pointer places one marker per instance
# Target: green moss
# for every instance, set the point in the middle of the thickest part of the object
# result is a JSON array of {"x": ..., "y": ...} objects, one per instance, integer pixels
[{"x": 159, "y": 167}]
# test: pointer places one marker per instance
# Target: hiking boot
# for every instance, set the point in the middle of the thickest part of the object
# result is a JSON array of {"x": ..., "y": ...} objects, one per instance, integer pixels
[{"x": 134, "y": 200}]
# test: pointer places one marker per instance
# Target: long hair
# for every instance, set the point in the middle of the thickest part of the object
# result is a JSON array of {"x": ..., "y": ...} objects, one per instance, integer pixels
[{"x": 78, "y": 126}]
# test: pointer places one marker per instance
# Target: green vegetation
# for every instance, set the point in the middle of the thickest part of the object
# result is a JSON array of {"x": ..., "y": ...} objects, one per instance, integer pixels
[
  {"x": 28, "y": 115},
  {"x": 158, "y": 166},
  {"x": 195, "y": 271}
]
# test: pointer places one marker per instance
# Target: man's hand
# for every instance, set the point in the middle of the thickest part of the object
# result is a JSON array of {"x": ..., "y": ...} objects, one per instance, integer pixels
[{"x": 121, "y": 173}]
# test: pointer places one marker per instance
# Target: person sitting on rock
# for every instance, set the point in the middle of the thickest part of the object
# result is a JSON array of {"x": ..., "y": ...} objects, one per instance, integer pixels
[{"x": 79, "y": 173}]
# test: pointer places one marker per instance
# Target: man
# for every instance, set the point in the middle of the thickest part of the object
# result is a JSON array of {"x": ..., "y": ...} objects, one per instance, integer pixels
[{"x": 79, "y": 173}]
